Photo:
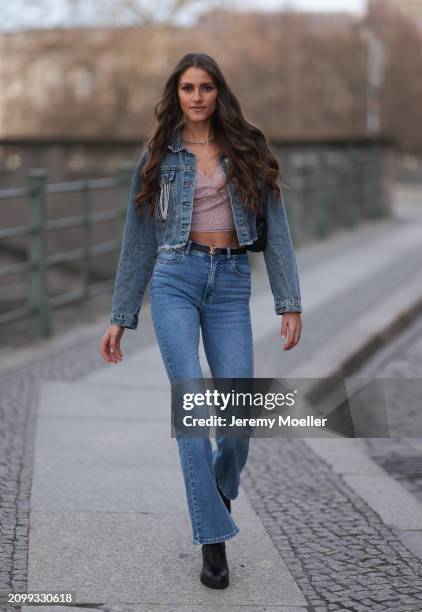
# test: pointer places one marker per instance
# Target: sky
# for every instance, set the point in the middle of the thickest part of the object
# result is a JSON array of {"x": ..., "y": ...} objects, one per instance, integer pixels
[
  {"x": 310, "y": 5},
  {"x": 49, "y": 13}
]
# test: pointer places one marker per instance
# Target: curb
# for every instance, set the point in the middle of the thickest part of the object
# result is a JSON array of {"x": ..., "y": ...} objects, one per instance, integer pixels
[
  {"x": 374, "y": 329},
  {"x": 398, "y": 509}
]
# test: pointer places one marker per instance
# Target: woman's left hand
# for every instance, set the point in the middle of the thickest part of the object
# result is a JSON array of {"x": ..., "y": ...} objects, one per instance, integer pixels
[{"x": 292, "y": 328}]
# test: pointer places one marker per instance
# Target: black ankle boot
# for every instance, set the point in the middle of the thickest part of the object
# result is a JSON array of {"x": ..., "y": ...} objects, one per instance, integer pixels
[
  {"x": 225, "y": 499},
  {"x": 215, "y": 571}
]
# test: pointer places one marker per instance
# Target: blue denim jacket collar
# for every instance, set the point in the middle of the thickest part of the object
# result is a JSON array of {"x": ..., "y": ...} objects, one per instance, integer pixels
[
  {"x": 145, "y": 237},
  {"x": 175, "y": 144}
]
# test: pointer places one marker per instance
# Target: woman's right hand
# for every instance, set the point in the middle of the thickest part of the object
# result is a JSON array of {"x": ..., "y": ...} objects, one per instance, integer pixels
[{"x": 110, "y": 344}]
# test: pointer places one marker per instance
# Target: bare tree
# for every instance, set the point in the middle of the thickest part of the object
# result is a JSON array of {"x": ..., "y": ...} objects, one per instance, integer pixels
[{"x": 50, "y": 13}]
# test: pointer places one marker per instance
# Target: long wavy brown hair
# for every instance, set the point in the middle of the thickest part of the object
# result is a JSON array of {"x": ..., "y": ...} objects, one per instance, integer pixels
[{"x": 253, "y": 163}]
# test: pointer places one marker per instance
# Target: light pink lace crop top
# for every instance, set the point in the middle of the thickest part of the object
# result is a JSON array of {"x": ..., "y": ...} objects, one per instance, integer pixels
[{"x": 211, "y": 208}]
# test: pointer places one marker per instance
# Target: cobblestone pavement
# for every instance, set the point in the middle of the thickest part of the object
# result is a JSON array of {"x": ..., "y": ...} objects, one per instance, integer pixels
[
  {"x": 401, "y": 358},
  {"x": 341, "y": 554}
]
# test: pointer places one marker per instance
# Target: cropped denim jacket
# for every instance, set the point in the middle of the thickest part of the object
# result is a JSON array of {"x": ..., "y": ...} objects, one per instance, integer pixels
[{"x": 145, "y": 236}]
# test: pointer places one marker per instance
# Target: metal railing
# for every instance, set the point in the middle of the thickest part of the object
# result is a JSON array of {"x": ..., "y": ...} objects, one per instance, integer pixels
[
  {"x": 38, "y": 308},
  {"x": 329, "y": 186}
]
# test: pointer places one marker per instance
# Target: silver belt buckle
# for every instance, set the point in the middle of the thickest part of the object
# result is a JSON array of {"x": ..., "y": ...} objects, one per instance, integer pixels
[{"x": 212, "y": 249}]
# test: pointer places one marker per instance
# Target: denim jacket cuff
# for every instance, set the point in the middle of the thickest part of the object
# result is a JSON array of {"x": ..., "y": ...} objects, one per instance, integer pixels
[
  {"x": 124, "y": 320},
  {"x": 288, "y": 305}
]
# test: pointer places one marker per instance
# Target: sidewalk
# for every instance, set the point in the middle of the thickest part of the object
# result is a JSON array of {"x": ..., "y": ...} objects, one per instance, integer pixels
[{"x": 108, "y": 512}]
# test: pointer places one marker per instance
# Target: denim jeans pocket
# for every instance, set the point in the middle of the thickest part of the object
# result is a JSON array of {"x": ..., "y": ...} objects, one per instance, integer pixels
[{"x": 241, "y": 267}]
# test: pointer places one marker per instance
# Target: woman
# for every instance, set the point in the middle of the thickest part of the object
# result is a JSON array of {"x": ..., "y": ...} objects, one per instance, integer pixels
[{"x": 204, "y": 175}]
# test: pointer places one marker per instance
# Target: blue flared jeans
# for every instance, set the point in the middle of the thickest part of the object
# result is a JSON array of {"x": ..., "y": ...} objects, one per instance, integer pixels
[{"x": 191, "y": 291}]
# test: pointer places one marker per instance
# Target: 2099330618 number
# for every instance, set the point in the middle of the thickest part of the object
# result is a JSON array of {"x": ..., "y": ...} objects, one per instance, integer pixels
[{"x": 31, "y": 598}]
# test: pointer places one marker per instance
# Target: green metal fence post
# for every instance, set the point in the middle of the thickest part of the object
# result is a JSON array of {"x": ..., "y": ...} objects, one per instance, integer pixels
[
  {"x": 350, "y": 203},
  {"x": 321, "y": 219},
  {"x": 359, "y": 182},
  {"x": 39, "y": 319},
  {"x": 86, "y": 237},
  {"x": 375, "y": 178},
  {"x": 290, "y": 197}
]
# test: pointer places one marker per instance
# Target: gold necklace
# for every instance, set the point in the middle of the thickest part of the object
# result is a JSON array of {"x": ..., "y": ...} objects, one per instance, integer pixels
[{"x": 193, "y": 142}]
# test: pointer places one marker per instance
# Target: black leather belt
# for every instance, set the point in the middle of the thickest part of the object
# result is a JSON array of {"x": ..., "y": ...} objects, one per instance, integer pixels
[{"x": 213, "y": 250}]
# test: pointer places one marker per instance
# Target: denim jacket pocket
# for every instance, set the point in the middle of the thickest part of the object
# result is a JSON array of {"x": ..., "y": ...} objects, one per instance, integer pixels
[{"x": 163, "y": 196}]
